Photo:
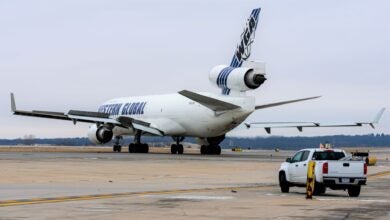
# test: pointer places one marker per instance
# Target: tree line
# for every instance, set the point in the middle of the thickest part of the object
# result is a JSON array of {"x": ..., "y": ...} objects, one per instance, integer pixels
[{"x": 270, "y": 142}]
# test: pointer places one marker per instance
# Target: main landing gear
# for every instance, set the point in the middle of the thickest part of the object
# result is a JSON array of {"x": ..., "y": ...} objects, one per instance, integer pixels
[
  {"x": 117, "y": 146},
  {"x": 210, "y": 149},
  {"x": 213, "y": 147},
  {"x": 138, "y": 147},
  {"x": 177, "y": 148}
]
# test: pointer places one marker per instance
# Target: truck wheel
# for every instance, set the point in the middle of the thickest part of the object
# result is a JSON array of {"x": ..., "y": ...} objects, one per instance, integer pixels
[
  {"x": 284, "y": 185},
  {"x": 319, "y": 189},
  {"x": 354, "y": 191}
]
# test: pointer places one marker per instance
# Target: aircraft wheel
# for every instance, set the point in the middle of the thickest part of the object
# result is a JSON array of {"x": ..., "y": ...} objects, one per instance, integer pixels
[
  {"x": 174, "y": 149},
  {"x": 203, "y": 149},
  {"x": 217, "y": 150},
  {"x": 132, "y": 148},
  {"x": 117, "y": 148},
  {"x": 180, "y": 149},
  {"x": 145, "y": 148}
]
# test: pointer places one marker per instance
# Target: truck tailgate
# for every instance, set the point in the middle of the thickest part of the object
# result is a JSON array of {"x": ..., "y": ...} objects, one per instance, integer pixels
[{"x": 346, "y": 168}]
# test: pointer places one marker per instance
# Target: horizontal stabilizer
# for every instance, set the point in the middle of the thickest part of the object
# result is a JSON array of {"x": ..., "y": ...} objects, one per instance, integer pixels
[
  {"x": 211, "y": 103},
  {"x": 284, "y": 103},
  {"x": 300, "y": 125}
]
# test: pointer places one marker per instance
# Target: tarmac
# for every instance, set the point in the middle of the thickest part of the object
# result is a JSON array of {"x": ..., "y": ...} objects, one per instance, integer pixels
[{"x": 94, "y": 183}]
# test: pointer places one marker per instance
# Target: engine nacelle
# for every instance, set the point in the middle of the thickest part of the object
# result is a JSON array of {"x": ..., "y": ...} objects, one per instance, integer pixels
[
  {"x": 239, "y": 79},
  {"x": 99, "y": 135}
]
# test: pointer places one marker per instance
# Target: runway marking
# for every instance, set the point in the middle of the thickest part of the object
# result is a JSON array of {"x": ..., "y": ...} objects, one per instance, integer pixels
[
  {"x": 32, "y": 201},
  {"x": 379, "y": 174}
]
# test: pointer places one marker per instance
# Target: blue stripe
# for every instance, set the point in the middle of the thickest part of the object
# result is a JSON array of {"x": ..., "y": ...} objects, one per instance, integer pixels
[
  {"x": 253, "y": 13},
  {"x": 257, "y": 13},
  {"x": 233, "y": 61},
  {"x": 227, "y": 75},
  {"x": 222, "y": 75},
  {"x": 225, "y": 91},
  {"x": 225, "y": 71},
  {"x": 219, "y": 75},
  {"x": 219, "y": 79},
  {"x": 143, "y": 108},
  {"x": 135, "y": 108}
]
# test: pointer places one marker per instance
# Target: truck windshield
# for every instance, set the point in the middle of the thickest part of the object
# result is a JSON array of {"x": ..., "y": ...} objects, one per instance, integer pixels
[{"x": 328, "y": 155}]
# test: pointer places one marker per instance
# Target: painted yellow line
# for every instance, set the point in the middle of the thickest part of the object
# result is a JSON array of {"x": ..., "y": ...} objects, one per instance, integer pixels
[
  {"x": 379, "y": 174},
  {"x": 31, "y": 201},
  {"x": 116, "y": 195}
]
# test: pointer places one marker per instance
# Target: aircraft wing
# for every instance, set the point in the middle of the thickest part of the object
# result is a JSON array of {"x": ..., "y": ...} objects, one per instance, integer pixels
[
  {"x": 89, "y": 117},
  {"x": 300, "y": 125}
]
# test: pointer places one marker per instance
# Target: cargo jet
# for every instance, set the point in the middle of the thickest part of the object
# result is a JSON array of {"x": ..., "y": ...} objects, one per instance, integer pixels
[{"x": 184, "y": 114}]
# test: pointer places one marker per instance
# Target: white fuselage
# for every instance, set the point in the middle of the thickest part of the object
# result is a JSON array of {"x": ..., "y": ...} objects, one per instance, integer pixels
[{"x": 177, "y": 115}]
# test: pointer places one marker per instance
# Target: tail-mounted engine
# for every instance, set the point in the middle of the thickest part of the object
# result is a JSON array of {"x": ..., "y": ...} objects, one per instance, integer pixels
[
  {"x": 239, "y": 79},
  {"x": 100, "y": 135}
]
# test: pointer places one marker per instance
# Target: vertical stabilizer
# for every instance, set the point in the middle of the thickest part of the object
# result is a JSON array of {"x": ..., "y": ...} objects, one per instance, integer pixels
[{"x": 243, "y": 50}]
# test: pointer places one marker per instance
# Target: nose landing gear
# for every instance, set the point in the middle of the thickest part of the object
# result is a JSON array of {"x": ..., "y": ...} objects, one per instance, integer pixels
[{"x": 117, "y": 147}]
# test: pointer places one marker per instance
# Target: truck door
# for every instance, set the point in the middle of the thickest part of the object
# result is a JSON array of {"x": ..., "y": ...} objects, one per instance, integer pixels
[
  {"x": 293, "y": 167},
  {"x": 302, "y": 167}
]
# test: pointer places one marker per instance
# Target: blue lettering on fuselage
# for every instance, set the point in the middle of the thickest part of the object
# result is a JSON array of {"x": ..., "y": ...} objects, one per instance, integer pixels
[{"x": 130, "y": 108}]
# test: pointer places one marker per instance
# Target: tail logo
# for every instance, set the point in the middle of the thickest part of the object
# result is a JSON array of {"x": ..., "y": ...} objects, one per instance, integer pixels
[{"x": 247, "y": 37}]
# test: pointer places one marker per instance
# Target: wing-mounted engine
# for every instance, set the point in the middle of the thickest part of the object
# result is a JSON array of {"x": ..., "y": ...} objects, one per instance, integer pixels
[
  {"x": 100, "y": 135},
  {"x": 239, "y": 79}
]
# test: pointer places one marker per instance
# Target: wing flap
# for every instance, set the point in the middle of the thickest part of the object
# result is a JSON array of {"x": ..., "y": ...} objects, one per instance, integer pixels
[{"x": 139, "y": 125}]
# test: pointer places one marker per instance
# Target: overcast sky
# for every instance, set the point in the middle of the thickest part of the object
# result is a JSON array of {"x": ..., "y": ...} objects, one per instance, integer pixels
[{"x": 61, "y": 55}]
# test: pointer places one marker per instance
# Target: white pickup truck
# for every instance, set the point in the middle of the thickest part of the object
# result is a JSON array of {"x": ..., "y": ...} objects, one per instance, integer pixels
[{"x": 333, "y": 169}]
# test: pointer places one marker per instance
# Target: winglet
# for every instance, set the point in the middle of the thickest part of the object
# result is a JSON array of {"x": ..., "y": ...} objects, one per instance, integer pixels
[
  {"x": 13, "y": 105},
  {"x": 378, "y": 116}
]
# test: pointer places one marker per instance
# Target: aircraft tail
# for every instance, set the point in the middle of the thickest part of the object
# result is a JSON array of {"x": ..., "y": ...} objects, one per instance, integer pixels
[{"x": 243, "y": 50}]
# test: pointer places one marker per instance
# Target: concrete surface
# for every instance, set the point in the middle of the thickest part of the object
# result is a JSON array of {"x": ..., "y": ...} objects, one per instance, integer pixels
[{"x": 94, "y": 183}]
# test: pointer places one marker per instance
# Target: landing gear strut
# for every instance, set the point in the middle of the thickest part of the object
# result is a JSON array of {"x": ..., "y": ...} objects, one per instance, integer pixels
[
  {"x": 138, "y": 147},
  {"x": 117, "y": 146},
  {"x": 213, "y": 146},
  {"x": 177, "y": 148}
]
